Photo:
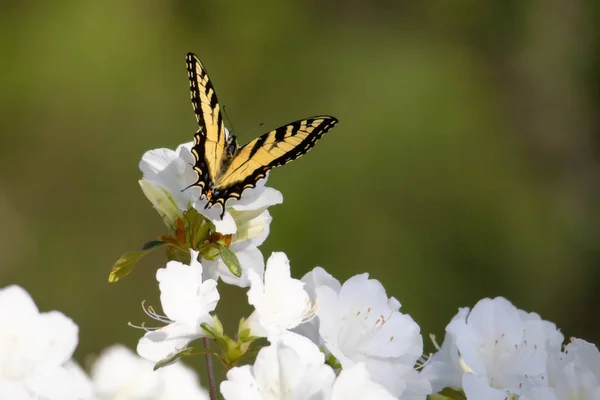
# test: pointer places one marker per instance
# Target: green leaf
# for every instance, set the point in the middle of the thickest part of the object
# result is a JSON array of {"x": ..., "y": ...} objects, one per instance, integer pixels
[
  {"x": 244, "y": 332},
  {"x": 127, "y": 262},
  {"x": 197, "y": 227},
  {"x": 332, "y": 361},
  {"x": 213, "y": 332},
  {"x": 209, "y": 251},
  {"x": 187, "y": 352},
  {"x": 245, "y": 336},
  {"x": 151, "y": 245},
  {"x": 448, "y": 394},
  {"x": 231, "y": 260},
  {"x": 251, "y": 350},
  {"x": 175, "y": 254}
]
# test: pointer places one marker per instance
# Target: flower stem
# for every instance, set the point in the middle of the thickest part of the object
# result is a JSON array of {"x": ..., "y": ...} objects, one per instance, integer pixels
[{"x": 212, "y": 387}]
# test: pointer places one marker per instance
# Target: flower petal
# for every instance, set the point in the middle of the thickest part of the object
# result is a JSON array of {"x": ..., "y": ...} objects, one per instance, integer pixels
[
  {"x": 356, "y": 383},
  {"x": 161, "y": 343},
  {"x": 250, "y": 259},
  {"x": 183, "y": 294}
]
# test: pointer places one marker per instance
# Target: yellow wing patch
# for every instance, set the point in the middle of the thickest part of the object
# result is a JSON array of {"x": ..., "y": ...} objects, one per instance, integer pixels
[
  {"x": 273, "y": 149},
  {"x": 210, "y": 140}
]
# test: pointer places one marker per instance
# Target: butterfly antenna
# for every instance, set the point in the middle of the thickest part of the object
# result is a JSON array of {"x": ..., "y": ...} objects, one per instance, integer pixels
[
  {"x": 228, "y": 119},
  {"x": 187, "y": 187},
  {"x": 255, "y": 128}
]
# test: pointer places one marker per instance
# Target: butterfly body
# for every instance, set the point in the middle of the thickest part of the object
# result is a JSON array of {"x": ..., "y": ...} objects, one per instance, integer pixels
[{"x": 224, "y": 169}]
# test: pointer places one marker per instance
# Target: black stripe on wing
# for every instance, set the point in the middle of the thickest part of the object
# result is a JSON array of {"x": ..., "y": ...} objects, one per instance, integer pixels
[
  {"x": 197, "y": 75},
  {"x": 268, "y": 141},
  {"x": 200, "y": 166},
  {"x": 210, "y": 123}
]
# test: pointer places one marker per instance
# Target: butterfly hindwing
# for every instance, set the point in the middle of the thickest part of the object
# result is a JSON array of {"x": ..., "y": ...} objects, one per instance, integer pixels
[
  {"x": 211, "y": 140},
  {"x": 273, "y": 149}
]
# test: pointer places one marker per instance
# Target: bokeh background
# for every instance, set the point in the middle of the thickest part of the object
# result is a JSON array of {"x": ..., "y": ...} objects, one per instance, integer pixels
[{"x": 464, "y": 165}]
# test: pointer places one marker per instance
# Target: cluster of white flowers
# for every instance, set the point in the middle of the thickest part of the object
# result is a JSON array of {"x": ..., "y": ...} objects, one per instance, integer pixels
[
  {"x": 496, "y": 351},
  {"x": 308, "y": 338},
  {"x": 36, "y": 363}
]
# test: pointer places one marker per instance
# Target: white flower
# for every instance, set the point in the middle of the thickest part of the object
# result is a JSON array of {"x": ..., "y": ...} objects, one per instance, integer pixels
[
  {"x": 35, "y": 349},
  {"x": 252, "y": 231},
  {"x": 358, "y": 323},
  {"x": 187, "y": 302},
  {"x": 575, "y": 373},
  {"x": 181, "y": 382},
  {"x": 496, "y": 349},
  {"x": 312, "y": 280},
  {"x": 355, "y": 383},
  {"x": 163, "y": 202},
  {"x": 173, "y": 172},
  {"x": 120, "y": 374},
  {"x": 291, "y": 368},
  {"x": 444, "y": 369},
  {"x": 83, "y": 383},
  {"x": 280, "y": 301},
  {"x": 540, "y": 393},
  {"x": 477, "y": 387}
]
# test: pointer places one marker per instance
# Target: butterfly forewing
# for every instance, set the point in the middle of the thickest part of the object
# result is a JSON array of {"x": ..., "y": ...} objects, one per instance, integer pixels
[
  {"x": 210, "y": 140},
  {"x": 273, "y": 149}
]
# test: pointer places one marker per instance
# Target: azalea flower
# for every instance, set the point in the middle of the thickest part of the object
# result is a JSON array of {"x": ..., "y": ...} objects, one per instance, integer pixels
[
  {"x": 252, "y": 231},
  {"x": 172, "y": 172},
  {"x": 359, "y": 323},
  {"x": 280, "y": 301},
  {"x": 496, "y": 350},
  {"x": 187, "y": 301},
  {"x": 543, "y": 393},
  {"x": 444, "y": 368},
  {"x": 120, "y": 374},
  {"x": 291, "y": 368},
  {"x": 575, "y": 372},
  {"x": 81, "y": 381},
  {"x": 35, "y": 351},
  {"x": 355, "y": 383},
  {"x": 312, "y": 280}
]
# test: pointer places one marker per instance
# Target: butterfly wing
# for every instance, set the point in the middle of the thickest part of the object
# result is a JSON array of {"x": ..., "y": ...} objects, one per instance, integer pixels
[
  {"x": 273, "y": 149},
  {"x": 211, "y": 141}
]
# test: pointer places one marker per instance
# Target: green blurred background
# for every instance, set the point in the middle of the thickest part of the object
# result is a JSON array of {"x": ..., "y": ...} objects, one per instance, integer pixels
[{"x": 464, "y": 164}]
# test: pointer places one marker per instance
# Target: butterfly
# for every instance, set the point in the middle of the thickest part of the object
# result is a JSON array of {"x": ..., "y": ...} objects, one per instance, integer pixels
[{"x": 224, "y": 169}]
